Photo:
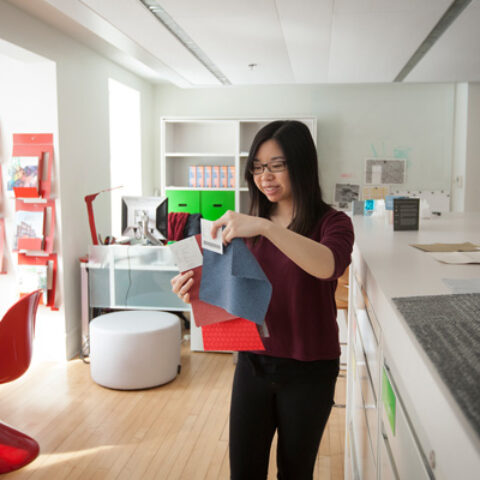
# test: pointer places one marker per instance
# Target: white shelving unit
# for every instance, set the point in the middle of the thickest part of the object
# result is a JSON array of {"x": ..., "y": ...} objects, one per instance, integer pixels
[{"x": 193, "y": 141}]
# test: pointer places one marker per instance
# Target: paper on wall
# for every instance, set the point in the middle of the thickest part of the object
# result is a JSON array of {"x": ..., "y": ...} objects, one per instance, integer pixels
[{"x": 384, "y": 171}]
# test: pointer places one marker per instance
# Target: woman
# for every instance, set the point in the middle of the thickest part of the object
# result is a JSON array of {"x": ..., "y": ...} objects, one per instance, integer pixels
[{"x": 303, "y": 246}]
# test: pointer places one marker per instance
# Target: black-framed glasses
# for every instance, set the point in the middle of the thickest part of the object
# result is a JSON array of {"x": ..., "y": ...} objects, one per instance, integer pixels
[{"x": 275, "y": 166}]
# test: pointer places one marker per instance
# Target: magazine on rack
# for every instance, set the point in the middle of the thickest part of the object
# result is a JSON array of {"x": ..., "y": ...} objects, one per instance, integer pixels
[
  {"x": 23, "y": 172},
  {"x": 29, "y": 225}
]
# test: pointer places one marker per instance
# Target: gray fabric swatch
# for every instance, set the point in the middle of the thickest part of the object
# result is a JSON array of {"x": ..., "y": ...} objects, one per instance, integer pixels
[
  {"x": 235, "y": 282},
  {"x": 462, "y": 285},
  {"x": 448, "y": 329}
]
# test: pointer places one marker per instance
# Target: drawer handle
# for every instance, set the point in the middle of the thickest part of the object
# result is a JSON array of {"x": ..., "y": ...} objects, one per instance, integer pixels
[
  {"x": 217, "y": 205},
  {"x": 182, "y": 204}
]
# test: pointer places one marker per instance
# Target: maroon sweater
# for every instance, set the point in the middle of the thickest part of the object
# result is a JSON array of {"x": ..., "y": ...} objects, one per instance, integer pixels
[{"x": 302, "y": 316}]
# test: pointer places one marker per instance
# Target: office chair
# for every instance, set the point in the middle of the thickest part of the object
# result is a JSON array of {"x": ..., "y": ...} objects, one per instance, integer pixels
[{"x": 17, "y": 329}]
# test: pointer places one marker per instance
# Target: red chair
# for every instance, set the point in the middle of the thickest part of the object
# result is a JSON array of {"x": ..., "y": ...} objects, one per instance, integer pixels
[{"x": 17, "y": 329}]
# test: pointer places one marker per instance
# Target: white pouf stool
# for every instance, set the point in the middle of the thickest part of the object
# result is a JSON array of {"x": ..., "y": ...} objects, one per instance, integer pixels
[{"x": 134, "y": 349}]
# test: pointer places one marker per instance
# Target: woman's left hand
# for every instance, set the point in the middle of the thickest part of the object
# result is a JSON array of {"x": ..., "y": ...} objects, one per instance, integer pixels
[{"x": 238, "y": 225}]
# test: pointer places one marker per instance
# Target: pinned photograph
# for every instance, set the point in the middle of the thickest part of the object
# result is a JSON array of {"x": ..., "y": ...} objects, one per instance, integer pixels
[
  {"x": 383, "y": 171},
  {"x": 345, "y": 194}
]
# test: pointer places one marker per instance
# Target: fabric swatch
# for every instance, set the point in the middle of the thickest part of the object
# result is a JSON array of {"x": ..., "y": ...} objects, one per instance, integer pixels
[
  {"x": 462, "y": 285},
  {"x": 238, "y": 335},
  {"x": 220, "y": 329},
  {"x": 447, "y": 329},
  {"x": 204, "y": 313},
  {"x": 235, "y": 282}
]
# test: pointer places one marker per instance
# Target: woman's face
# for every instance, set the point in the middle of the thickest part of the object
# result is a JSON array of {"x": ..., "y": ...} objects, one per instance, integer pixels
[{"x": 274, "y": 185}]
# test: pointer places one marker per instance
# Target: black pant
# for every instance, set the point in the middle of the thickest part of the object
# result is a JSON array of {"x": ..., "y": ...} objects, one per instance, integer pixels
[{"x": 290, "y": 396}]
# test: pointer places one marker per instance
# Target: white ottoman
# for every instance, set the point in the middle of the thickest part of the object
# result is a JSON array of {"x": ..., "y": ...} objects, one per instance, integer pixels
[{"x": 134, "y": 349}]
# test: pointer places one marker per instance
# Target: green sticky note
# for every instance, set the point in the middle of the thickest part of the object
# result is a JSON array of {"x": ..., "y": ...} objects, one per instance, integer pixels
[{"x": 389, "y": 401}]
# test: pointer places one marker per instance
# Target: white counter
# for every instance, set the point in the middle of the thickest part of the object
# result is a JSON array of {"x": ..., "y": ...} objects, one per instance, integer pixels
[
  {"x": 389, "y": 267},
  {"x": 402, "y": 270}
]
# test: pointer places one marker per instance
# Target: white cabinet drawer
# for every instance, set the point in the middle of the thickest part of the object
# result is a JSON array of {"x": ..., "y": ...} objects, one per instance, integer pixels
[
  {"x": 408, "y": 457},
  {"x": 369, "y": 337},
  {"x": 372, "y": 317},
  {"x": 386, "y": 466},
  {"x": 364, "y": 458},
  {"x": 362, "y": 302},
  {"x": 368, "y": 397},
  {"x": 351, "y": 466},
  {"x": 370, "y": 348}
]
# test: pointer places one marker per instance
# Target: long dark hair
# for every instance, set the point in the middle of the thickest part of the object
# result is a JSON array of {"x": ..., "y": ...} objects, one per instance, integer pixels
[{"x": 296, "y": 142}]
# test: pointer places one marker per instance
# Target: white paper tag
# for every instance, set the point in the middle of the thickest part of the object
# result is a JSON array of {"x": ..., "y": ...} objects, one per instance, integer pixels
[
  {"x": 208, "y": 242},
  {"x": 186, "y": 254}
]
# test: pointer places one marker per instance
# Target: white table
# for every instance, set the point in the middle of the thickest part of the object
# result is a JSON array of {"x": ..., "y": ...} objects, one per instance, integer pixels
[{"x": 120, "y": 277}]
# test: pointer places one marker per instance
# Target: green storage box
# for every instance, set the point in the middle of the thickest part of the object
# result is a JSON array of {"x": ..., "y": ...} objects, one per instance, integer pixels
[
  {"x": 183, "y": 201},
  {"x": 214, "y": 203}
]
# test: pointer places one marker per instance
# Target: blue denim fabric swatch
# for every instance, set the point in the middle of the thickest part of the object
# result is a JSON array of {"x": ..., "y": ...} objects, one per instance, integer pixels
[{"x": 235, "y": 282}]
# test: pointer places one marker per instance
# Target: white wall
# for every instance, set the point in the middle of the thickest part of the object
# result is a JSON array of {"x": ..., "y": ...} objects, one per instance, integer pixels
[
  {"x": 413, "y": 121},
  {"x": 472, "y": 162},
  {"x": 466, "y": 149},
  {"x": 459, "y": 147},
  {"x": 27, "y": 106},
  {"x": 83, "y": 141}
]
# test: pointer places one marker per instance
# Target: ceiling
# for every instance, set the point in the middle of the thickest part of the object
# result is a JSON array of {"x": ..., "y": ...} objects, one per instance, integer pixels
[{"x": 287, "y": 41}]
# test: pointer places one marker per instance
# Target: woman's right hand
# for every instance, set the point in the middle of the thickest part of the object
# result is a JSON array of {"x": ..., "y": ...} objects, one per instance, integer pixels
[{"x": 181, "y": 285}]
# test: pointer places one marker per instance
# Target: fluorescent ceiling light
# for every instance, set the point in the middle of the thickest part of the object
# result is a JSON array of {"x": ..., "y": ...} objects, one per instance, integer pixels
[
  {"x": 169, "y": 23},
  {"x": 451, "y": 14}
]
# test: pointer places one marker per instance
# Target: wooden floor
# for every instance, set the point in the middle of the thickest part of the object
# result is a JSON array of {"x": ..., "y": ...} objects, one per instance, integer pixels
[{"x": 176, "y": 431}]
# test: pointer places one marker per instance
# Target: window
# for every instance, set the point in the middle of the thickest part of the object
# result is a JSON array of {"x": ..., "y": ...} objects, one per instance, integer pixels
[{"x": 125, "y": 147}]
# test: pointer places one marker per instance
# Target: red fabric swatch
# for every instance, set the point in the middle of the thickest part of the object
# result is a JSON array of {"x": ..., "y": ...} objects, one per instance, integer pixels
[
  {"x": 238, "y": 334},
  {"x": 205, "y": 313}
]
